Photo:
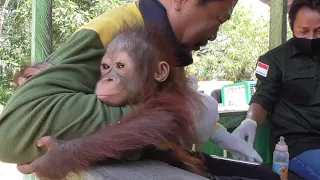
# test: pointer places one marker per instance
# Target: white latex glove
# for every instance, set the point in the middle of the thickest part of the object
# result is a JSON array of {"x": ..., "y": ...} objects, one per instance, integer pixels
[
  {"x": 236, "y": 146},
  {"x": 247, "y": 129}
]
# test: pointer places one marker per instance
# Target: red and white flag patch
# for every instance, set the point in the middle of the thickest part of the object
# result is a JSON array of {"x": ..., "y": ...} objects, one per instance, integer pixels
[{"x": 262, "y": 69}]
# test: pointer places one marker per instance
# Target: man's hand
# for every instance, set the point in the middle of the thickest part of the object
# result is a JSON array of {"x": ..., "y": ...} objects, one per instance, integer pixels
[
  {"x": 53, "y": 164},
  {"x": 239, "y": 148},
  {"x": 246, "y": 129}
]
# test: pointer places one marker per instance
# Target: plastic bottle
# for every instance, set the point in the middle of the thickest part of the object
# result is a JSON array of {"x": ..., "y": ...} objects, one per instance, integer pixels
[{"x": 281, "y": 159}]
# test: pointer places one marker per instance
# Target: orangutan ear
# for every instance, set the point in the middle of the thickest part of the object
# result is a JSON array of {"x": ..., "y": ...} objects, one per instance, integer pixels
[{"x": 162, "y": 72}]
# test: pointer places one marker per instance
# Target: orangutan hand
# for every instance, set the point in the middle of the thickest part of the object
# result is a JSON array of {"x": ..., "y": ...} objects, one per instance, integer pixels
[{"x": 53, "y": 165}]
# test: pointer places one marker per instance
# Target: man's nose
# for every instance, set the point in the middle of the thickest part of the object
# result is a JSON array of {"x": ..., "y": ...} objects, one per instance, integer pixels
[{"x": 312, "y": 35}]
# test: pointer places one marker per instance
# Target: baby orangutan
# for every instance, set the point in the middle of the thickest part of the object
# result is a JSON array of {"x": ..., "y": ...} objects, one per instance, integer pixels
[{"x": 138, "y": 68}]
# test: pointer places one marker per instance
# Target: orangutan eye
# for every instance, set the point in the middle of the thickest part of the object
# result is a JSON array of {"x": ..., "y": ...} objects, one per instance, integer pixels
[
  {"x": 105, "y": 66},
  {"x": 120, "y": 65},
  {"x": 28, "y": 76}
]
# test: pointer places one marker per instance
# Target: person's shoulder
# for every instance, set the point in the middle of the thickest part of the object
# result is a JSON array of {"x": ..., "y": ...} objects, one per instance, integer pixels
[
  {"x": 127, "y": 9},
  {"x": 127, "y": 12},
  {"x": 110, "y": 22},
  {"x": 281, "y": 52}
]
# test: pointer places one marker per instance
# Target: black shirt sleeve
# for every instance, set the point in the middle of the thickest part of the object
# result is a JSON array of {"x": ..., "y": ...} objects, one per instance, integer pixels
[{"x": 268, "y": 84}]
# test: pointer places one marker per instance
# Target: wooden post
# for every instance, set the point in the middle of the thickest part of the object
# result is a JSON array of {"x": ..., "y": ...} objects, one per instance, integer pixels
[
  {"x": 278, "y": 23},
  {"x": 41, "y": 42}
]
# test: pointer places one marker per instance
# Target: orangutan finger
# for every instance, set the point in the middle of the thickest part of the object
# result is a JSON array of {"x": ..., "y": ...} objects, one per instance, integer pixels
[
  {"x": 26, "y": 168},
  {"x": 47, "y": 141}
]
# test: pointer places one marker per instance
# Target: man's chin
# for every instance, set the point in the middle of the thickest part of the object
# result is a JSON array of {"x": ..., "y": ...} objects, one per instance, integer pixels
[
  {"x": 196, "y": 48},
  {"x": 192, "y": 48}
]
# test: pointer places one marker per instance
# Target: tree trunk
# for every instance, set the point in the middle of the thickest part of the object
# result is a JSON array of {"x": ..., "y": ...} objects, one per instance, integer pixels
[
  {"x": 278, "y": 23},
  {"x": 41, "y": 40}
]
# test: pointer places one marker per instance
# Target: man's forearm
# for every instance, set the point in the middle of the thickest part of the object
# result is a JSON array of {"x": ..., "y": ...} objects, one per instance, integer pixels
[
  {"x": 132, "y": 133},
  {"x": 257, "y": 113}
]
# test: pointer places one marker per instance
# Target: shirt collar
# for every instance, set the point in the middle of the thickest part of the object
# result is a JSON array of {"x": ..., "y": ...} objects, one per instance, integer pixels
[
  {"x": 294, "y": 50},
  {"x": 153, "y": 12}
]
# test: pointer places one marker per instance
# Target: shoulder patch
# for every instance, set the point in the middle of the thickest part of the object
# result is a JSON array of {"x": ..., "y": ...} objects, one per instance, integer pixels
[{"x": 262, "y": 69}]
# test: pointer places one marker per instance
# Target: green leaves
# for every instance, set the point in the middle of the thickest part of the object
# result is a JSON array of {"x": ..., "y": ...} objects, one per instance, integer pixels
[{"x": 233, "y": 55}]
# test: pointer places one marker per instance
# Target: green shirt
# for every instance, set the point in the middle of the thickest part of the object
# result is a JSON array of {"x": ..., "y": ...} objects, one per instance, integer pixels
[
  {"x": 288, "y": 87},
  {"x": 60, "y": 102}
]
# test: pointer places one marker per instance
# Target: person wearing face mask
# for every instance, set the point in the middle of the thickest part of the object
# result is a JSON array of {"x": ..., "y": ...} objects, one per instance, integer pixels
[{"x": 288, "y": 92}]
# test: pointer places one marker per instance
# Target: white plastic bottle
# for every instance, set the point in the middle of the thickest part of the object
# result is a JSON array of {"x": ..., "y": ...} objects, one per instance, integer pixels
[{"x": 281, "y": 159}]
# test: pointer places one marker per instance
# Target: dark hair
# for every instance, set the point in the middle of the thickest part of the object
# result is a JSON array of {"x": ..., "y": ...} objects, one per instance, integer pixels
[{"x": 297, "y": 5}]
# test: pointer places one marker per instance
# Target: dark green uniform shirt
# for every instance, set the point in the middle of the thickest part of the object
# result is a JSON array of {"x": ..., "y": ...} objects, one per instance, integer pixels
[{"x": 288, "y": 87}]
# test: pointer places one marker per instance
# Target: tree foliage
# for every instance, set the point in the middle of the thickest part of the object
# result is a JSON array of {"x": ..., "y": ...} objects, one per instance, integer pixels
[
  {"x": 15, "y": 43},
  {"x": 234, "y": 54}
]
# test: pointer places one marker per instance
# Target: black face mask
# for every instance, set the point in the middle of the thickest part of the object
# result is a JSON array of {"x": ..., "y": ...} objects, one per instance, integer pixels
[{"x": 308, "y": 47}]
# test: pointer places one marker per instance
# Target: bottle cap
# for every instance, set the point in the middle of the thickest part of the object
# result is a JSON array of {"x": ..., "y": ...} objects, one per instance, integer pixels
[{"x": 281, "y": 146}]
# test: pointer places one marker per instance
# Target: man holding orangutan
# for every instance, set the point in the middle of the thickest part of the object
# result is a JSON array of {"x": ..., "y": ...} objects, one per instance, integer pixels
[{"x": 60, "y": 101}]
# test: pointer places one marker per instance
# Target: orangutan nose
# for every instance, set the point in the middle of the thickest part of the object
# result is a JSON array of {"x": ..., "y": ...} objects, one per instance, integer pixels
[{"x": 110, "y": 79}]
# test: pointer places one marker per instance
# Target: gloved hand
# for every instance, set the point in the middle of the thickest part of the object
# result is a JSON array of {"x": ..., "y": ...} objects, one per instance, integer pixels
[
  {"x": 247, "y": 129},
  {"x": 239, "y": 148}
]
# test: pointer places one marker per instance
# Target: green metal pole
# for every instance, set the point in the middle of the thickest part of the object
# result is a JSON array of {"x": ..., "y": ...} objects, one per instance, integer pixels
[
  {"x": 278, "y": 23},
  {"x": 41, "y": 43}
]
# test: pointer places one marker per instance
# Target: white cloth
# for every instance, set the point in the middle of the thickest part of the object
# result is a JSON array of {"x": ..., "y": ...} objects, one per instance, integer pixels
[{"x": 206, "y": 128}]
